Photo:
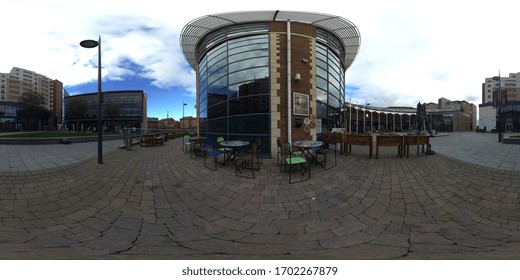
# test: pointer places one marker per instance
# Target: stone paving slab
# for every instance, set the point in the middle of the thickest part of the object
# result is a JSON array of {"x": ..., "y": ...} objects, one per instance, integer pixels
[{"x": 158, "y": 203}]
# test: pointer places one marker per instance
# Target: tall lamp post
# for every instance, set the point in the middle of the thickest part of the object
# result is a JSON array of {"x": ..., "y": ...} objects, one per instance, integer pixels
[
  {"x": 499, "y": 101},
  {"x": 92, "y": 44}
]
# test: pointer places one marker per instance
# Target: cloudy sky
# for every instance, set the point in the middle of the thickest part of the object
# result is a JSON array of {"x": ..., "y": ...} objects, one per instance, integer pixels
[{"x": 411, "y": 51}]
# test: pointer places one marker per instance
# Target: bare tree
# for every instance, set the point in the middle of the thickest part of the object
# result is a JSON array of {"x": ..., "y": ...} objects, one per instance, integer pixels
[
  {"x": 31, "y": 103},
  {"x": 75, "y": 109},
  {"x": 112, "y": 112}
]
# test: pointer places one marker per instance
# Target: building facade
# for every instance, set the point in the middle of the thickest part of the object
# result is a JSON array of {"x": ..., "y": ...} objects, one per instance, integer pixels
[
  {"x": 120, "y": 109},
  {"x": 270, "y": 74},
  {"x": 444, "y": 116},
  {"x": 500, "y": 108},
  {"x": 19, "y": 81}
]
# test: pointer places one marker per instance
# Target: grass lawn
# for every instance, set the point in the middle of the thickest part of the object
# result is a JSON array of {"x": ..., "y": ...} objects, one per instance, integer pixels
[{"x": 47, "y": 134}]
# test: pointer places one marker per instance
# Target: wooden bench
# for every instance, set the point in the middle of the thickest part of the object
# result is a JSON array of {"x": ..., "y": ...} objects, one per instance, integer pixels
[
  {"x": 390, "y": 140},
  {"x": 147, "y": 140},
  {"x": 361, "y": 140},
  {"x": 158, "y": 140}
]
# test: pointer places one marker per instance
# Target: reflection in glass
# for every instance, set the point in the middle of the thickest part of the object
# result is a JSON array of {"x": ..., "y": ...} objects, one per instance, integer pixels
[
  {"x": 238, "y": 90},
  {"x": 330, "y": 81}
]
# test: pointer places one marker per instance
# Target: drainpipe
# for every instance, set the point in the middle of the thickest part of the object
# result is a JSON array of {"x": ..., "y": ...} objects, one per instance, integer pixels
[{"x": 289, "y": 99}]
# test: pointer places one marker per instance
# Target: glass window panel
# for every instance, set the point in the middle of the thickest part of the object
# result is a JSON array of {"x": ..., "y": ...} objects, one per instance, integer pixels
[
  {"x": 203, "y": 104},
  {"x": 321, "y": 72},
  {"x": 217, "y": 51},
  {"x": 217, "y": 111},
  {"x": 217, "y": 86},
  {"x": 322, "y": 64},
  {"x": 321, "y": 109},
  {"x": 203, "y": 84},
  {"x": 334, "y": 83},
  {"x": 217, "y": 59},
  {"x": 246, "y": 48},
  {"x": 321, "y": 83},
  {"x": 321, "y": 95},
  {"x": 261, "y": 87},
  {"x": 257, "y": 39},
  {"x": 217, "y": 75},
  {"x": 335, "y": 92},
  {"x": 249, "y": 105},
  {"x": 248, "y": 63},
  {"x": 248, "y": 74},
  {"x": 203, "y": 126},
  {"x": 334, "y": 58},
  {"x": 203, "y": 94},
  {"x": 250, "y": 124},
  {"x": 203, "y": 114},
  {"x": 218, "y": 66},
  {"x": 218, "y": 126},
  {"x": 248, "y": 55},
  {"x": 333, "y": 102}
]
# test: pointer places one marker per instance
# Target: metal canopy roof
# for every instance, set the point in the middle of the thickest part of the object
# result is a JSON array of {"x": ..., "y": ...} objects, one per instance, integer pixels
[{"x": 197, "y": 29}]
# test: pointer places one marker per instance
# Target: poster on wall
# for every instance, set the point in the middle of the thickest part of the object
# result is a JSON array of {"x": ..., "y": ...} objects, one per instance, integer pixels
[
  {"x": 318, "y": 126},
  {"x": 300, "y": 104}
]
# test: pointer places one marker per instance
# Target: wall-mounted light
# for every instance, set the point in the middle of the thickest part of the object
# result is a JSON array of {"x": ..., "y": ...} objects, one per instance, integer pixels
[{"x": 297, "y": 77}]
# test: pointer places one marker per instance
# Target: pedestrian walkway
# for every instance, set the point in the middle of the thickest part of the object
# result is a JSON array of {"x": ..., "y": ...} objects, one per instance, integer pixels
[
  {"x": 480, "y": 149},
  {"x": 36, "y": 157},
  {"x": 158, "y": 203}
]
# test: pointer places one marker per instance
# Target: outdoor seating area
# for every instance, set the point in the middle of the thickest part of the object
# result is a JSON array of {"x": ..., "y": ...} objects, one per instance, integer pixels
[
  {"x": 243, "y": 156},
  {"x": 298, "y": 158},
  {"x": 150, "y": 140}
]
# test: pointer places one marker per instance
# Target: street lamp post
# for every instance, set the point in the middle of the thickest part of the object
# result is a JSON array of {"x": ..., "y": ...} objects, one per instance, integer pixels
[
  {"x": 92, "y": 44},
  {"x": 183, "y": 120},
  {"x": 499, "y": 131}
]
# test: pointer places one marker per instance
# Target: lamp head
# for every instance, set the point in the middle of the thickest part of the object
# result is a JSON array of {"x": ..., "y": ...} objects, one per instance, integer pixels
[{"x": 89, "y": 44}]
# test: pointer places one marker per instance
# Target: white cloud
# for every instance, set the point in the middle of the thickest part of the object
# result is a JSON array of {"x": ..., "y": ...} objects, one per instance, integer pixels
[{"x": 410, "y": 51}]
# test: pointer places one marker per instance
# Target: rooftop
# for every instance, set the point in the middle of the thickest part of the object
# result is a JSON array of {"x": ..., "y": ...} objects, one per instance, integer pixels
[{"x": 197, "y": 29}]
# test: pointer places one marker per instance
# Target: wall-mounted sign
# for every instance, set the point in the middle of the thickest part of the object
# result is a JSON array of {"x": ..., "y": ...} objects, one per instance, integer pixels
[{"x": 300, "y": 104}]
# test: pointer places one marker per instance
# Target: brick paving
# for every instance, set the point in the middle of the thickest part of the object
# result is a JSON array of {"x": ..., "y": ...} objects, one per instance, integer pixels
[{"x": 157, "y": 203}]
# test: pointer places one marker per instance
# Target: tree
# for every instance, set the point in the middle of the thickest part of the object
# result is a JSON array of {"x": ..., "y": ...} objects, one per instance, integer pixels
[
  {"x": 112, "y": 112},
  {"x": 31, "y": 103},
  {"x": 75, "y": 109}
]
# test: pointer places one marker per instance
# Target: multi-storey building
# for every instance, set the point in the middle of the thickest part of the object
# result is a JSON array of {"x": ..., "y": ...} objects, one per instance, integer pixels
[
  {"x": 19, "y": 81},
  {"x": 264, "y": 75},
  {"x": 500, "y": 108},
  {"x": 444, "y": 116},
  {"x": 120, "y": 109}
]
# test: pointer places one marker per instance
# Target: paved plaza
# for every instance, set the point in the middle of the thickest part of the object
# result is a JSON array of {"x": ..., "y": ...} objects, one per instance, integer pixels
[{"x": 57, "y": 202}]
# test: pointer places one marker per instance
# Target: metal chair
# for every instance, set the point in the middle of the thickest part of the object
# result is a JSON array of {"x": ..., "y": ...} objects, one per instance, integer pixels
[
  {"x": 187, "y": 144},
  {"x": 210, "y": 150},
  {"x": 326, "y": 149},
  {"x": 250, "y": 160},
  {"x": 291, "y": 162}
]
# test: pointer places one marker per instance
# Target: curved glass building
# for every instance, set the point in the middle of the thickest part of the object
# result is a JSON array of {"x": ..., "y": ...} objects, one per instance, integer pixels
[{"x": 270, "y": 74}]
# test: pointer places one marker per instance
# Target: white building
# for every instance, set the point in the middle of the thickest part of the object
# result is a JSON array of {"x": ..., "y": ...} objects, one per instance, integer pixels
[{"x": 503, "y": 93}]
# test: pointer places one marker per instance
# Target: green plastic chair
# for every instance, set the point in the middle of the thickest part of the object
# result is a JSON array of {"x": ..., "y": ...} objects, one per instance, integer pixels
[{"x": 291, "y": 162}]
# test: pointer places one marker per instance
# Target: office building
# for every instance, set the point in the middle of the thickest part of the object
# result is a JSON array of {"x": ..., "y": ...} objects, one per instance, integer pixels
[
  {"x": 120, "y": 109},
  {"x": 19, "y": 81},
  {"x": 500, "y": 108},
  {"x": 270, "y": 74}
]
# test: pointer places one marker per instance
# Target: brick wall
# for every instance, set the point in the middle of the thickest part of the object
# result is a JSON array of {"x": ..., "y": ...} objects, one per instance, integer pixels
[{"x": 303, "y": 61}]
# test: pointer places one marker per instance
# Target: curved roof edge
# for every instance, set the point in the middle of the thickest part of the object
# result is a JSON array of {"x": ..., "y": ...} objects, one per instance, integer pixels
[{"x": 197, "y": 29}]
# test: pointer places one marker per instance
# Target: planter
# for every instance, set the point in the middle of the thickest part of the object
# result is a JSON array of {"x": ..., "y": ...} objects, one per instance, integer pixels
[{"x": 390, "y": 140}]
